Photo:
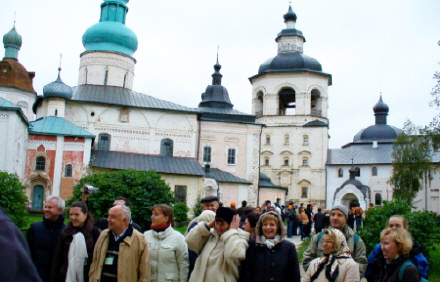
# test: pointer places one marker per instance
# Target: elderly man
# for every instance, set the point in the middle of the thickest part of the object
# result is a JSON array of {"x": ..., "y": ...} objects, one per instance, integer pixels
[
  {"x": 121, "y": 252},
  {"x": 42, "y": 237},
  {"x": 338, "y": 220}
]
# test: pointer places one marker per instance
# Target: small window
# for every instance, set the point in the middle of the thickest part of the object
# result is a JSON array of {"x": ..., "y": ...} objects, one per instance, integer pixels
[
  {"x": 267, "y": 139},
  {"x": 166, "y": 147},
  {"x": 357, "y": 171},
  {"x": 231, "y": 156},
  {"x": 340, "y": 172},
  {"x": 180, "y": 193},
  {"x": 304, "y": 192},
  {"x": 305, "y": 139},
  {"x": 266, "y": 161},
  {"x": 40, "y": 163},
  {"x": 286, "y": 139},
  {"x": 305, "y": 161},
  {"x": 374, "y": 171},
  {"x": 207, "y": 154},
  {"x": 68, "y": 170},
  {"x": 286, "y": 162},
  {"x": 378, "y": 199},
  {"x": 104, "y": 142}
]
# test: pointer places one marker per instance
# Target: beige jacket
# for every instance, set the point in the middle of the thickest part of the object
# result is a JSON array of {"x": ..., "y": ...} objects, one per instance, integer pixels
[
  {"x": 133, "y": 260},
  {"x": 219, "y": 257},
  {"x": 348, "y": 271}
]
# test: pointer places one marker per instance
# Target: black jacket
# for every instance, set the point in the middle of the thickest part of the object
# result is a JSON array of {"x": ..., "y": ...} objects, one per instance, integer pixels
[
  {"x": 42, "y": 238},
  {"x": 390, "y": 272},
  {"x": 60, "y": 261},
  {"x": 279, "y": 264},
  {"x": 15, "y": 260}
]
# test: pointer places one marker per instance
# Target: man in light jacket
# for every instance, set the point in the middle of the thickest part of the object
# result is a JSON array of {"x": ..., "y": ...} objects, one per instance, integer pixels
[
  {"x": 221, "y": 246},
  {"x": 121, "y": 252}
]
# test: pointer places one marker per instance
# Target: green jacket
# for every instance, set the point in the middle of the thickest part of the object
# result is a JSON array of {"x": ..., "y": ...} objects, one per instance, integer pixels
[{"x": 358, "y": 252}]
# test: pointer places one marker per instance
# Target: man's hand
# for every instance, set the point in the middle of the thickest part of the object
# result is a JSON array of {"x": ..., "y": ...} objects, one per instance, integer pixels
[{"x": 235, "y": 222}]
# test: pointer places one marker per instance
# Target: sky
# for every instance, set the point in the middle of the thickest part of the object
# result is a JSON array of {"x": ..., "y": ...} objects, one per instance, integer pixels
[{"x": 369, "y": 47}]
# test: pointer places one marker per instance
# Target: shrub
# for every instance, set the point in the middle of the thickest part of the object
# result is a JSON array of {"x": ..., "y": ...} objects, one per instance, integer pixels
[
  {"x": 13, "y": 200},
  {"x": 144, "y": 189},
  {"x": 180, "y": 213},
  {"x": 422, "y": 225}
]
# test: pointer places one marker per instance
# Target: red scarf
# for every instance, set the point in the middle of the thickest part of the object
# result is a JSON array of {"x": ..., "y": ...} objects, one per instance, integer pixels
[{"x": 160, "y": 228}]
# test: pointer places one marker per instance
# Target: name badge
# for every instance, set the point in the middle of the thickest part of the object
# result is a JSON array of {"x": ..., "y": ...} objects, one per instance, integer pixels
[{"x": 109, "y": 260}]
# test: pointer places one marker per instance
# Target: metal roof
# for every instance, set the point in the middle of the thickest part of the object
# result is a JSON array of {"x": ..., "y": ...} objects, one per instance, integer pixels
[
  {"x": 57, "y": 126},
  {"x": 225, "y": 115},
  {"x": 141, "y": 162},
  {"x": 9, "y": 106},
  {"x": 114, "y": 95},
  {"x": 223, "y": 176},
  {"x": 265, "y": 182}
]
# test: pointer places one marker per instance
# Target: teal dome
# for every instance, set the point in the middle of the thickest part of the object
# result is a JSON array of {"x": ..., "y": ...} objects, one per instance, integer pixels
[
  {"x": 111, "y": 34},
  {"x": 12, "y": 42},
  {"x": 12, "y": 39}
]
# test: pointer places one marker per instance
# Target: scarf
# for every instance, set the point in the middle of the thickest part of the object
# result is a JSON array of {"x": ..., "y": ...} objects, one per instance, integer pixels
[
  {"x": 161, "y": 227},
  {"x": 270, "y": 243}
]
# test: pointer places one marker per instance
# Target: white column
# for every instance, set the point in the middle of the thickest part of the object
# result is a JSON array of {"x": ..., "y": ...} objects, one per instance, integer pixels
[
  {"x": 58, "y": 170},
  {"x": 87, "y": 152}
]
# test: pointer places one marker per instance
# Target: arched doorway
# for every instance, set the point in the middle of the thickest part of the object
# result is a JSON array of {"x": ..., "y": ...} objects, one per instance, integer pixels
[
  {"x": 37, "y": 198},
  {"x": 349, "y": 199}
]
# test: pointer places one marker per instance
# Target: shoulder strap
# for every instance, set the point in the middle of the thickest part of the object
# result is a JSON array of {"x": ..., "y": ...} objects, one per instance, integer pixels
[{"x": 402, "y": 269}]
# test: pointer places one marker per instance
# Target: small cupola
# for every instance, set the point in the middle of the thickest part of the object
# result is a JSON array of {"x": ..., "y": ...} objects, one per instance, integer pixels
[
  {"x": 381, "y": 111},
  {"x": 12, "y": 42},
  {"x": 216, "y": 95},
  {"x": 58, "y": 89}
]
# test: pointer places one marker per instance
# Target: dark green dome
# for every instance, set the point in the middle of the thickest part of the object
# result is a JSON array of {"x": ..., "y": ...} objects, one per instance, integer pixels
[
  {"x": 12, "y": 39},
  {"x": 290, "y": 62}
]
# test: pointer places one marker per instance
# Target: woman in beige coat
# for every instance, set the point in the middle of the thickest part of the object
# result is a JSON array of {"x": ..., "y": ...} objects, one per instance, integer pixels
[
  {"x": 221, "y": 246},
  {"x": 336, "y": 265}
]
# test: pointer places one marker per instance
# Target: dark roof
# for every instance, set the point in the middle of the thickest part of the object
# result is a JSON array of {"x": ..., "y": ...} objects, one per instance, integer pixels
[
  {"x": 265, "y": 182},
  {"x": 361, "y": 154},
  {"x": 316, "y": 123},
  {"x": 223, "y": 176},
  {"x": 160, "y": 164},
  {"x": 15, "y": 75},
  {"x": 57, "y": 126},
  {"x": 291, "y": 62},
  {"x": 114, "y": 95},
  {"x": 377, "y": 132},
  {"x": 225, "y": 115},
  {"x": 6, "y": 105}
]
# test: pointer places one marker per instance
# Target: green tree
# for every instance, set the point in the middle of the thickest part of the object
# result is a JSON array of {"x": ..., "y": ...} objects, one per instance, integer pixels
[
  {"x": 423, "y": 226},
  {"x": 412, "y": 164},
  {"x": 144, "y": 189},
  {"x": 13, "y": 200},
  {"x": 180, "y": 213}
]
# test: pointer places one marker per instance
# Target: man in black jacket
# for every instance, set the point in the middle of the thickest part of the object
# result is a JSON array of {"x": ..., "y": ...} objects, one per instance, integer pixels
[
  {"x": 15, "y": 260},
  {"x": 42, "y": 236}
]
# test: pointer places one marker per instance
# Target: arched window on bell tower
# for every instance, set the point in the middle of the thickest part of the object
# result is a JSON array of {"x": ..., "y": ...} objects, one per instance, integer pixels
[
  {"x": 259, "y": 104},
  {"x": 287, "y": 102},
  {"x": 316, "y": 103}
]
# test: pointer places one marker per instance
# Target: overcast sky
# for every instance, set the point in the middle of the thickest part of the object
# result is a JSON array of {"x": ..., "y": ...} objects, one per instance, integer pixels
[{"x": 368, "y": 46}]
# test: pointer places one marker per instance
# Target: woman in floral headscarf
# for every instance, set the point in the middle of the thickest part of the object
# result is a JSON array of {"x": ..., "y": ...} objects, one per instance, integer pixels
[{"x": 336, "y": 265}]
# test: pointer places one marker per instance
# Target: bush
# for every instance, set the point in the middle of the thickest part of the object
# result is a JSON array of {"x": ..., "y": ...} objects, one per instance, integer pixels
[
  {"x": 422, "y": 225},
  {"x": 13, "y": 200},
  {"x": 180, "y": 213},
  {"x": 144, "y": 189}
]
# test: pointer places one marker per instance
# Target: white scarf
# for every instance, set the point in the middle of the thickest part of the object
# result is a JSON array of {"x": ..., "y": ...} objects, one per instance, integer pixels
[{"x": 270, "y": 243}]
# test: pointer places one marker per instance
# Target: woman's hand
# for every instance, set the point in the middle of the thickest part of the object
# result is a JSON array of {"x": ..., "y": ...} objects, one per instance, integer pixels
[{"x": 235, "y": 222}]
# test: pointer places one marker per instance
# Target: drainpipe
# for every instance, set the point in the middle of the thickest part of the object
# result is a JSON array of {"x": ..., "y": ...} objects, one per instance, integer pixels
[{"x": 259, "y": 165}]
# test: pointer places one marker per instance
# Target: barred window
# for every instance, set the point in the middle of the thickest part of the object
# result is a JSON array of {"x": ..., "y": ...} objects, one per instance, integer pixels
[
  {"x": 207, "y": 154},
  {"x": 40, "y": 163},
  {"x": 231, "y": 156}
]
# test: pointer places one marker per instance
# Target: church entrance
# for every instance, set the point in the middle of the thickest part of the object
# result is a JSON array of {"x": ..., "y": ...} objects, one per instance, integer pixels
[
  {"x": 349, "y": 200},
  {"x": 37, "y": 198}
]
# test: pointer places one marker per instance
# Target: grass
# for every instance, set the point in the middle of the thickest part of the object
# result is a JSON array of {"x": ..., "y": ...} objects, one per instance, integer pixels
[
  {"x": 302, "y": 248},
  {"x": 434, "y": 265},
  {"x": 181, "y": 229}
]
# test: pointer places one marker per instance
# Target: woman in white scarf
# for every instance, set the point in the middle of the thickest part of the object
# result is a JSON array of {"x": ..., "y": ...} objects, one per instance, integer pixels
[{"x": 336, "y": 265}]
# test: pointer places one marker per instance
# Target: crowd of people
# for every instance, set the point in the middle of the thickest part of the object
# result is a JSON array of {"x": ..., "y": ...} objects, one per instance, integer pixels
[{"x": 221, "y": 244}]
